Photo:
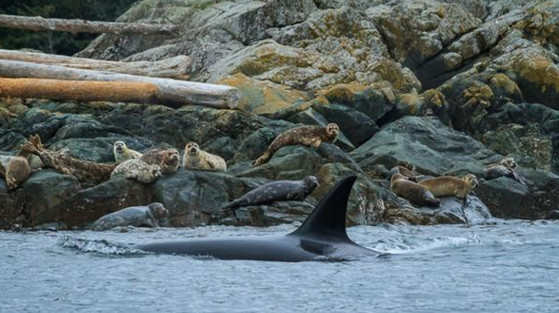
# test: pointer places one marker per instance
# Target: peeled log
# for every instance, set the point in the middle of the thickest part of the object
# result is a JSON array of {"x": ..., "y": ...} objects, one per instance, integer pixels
[
  {"x": 173, "y": 93},
  {"x": 37, "y": 23},
  {"x": 78, "y": 90},
  {"x": 175, "y": 67}
]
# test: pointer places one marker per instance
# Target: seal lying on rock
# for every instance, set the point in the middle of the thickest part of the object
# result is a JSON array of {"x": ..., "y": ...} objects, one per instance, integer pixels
[
  {"x": 196, "y": 158},
  {"x": 15, "y": 170},
  {"x": 281, "y": 190},
  {"x": 138, "y": 170},
  {"x": 122, "y": 153},
  {"x": 151, "y": 215},
  {"x": 167, "y": 159},
  {"x": 505, "y": 167},
  {"x": 444, "y": 186},
  {"x": 311, "y": 136},
  {"x": 414, "y": 192}
]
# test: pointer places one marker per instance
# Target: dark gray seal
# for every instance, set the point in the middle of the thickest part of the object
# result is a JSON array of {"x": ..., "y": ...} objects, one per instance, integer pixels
[
  {"x": 151, "y": 215},
  {"x": 281, "y": 190}
]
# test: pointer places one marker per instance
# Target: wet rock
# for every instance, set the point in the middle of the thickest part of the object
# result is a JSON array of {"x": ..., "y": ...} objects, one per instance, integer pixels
[
  {"x": 451, "y": 211},
  {"x": 507, "y": 198},
  {"x": 426, "y": 143},
  {"x": 44, "y": 192}
]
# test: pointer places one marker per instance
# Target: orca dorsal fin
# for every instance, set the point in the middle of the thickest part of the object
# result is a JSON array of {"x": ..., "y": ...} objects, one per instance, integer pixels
[{"x": 328, "y": 218}]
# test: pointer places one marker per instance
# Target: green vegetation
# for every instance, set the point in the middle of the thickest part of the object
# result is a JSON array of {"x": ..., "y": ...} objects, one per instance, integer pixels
[{"x": 57, "y": 42}]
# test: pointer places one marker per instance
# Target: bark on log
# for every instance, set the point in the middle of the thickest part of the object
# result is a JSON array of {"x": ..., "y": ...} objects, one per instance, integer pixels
[
  {"x": 78, "y": 90},
  {"x": 37, "y": 23},
  {"x": 173, "y": 93},
  {"x": 175, "y": 67},
  {"x": 87, "y": 172}
]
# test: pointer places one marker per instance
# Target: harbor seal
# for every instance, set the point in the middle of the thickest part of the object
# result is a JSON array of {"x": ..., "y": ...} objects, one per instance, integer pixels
[
  {"x": 152, "y": 215},
  {"x": 138, "y": 170},
  {"x": 281, "y": 190},
  {"x": 311, "y": 136},
  {"x": 505, "y": 167},
  {"x": 15, "y": 170},
  {"x": 167, "y": 159},
  {"x": 445, "y": 186},
  {"x": 196, "y": 158},
  {"x": 122, "y": 153},
  {"x": 412, "y": 191}
]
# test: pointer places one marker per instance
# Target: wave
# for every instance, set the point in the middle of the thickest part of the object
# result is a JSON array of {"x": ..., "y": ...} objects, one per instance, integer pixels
[{"x": 100, "y": 247}]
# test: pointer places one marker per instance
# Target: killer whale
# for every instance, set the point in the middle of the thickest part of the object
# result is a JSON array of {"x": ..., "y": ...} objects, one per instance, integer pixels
[{"x": 322, "y": 236}]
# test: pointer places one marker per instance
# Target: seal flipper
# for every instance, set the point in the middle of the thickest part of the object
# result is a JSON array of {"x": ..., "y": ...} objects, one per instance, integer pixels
[{"x": 328, "y": 218}]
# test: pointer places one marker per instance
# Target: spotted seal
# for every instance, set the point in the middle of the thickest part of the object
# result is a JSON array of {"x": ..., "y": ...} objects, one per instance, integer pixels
[
  {"x": 122, "y": 153},
  {"x": 412, "y": 191},
  {"x": 311, "y": 136},
  {"x": 444, "y": 186},
  {"x": 167, "y": 159},
  {"x": 196, "y": 158},
  {"x": 281, "y": 190},
  {"x": 138, "y": 170},
  {"x": 505, "y": 167},
  {"x": 15, "y": 170},
  {"x": 152, "y": 215}
]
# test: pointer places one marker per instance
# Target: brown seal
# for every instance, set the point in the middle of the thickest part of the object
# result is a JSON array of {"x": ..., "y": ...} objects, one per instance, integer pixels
[
  {"x": 167, "y": 159},
  {"x": 414, "y": 192},
  {"x": 505, "y": 167},
  {"x": 122, "y": 153},
  {"x": 311, "y": 136},
  {"x": 445, "y": 186},
  {"x": 15, "y": 170},
  {"x": 196, "y": 158}
]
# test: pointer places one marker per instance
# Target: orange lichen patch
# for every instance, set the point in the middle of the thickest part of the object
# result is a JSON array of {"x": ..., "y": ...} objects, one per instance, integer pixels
[
  {"x": 503, "y": 82},
  {"x": 478, "y": 95},
  {"x": 77, "y": 90},
  {"x": 434, "y": 97},
  {"x": 342, "y": 92},
  {"x": 539, "y": 23},
  {"x": 412, "y": 101},
  {"x": 393, "y": 72},
  {"x": 270, "y": 55},
  {"x": 539, "y": 70},
  {"x": 262, "y": 97}
]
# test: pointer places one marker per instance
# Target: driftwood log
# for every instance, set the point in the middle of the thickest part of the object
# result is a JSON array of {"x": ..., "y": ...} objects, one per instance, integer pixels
[
  {"x": 87, "y": 172},
  {"x": 170, "y": 92},
  {"x": 37, "y": 23},
  {"x": 78, "y": 90},
  {"x": 175, "y": 67}
]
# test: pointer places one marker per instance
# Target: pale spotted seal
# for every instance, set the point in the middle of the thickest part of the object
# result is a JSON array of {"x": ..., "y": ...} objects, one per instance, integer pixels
[
  {"x": 415, "y": 193},
  {"x": 196, "y": 158},
  {"x": 138, "y": 170},
  {"x": 152, "y": 215},
  {"x": 122, "y": 153},
  {"x": 15, "y": 170},
  {"x": 281, "y": 190},
  {"x": 311, "y": 136}
]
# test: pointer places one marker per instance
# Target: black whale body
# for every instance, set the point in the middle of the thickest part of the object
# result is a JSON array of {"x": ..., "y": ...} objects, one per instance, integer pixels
[{"x": 321, "y": 237}]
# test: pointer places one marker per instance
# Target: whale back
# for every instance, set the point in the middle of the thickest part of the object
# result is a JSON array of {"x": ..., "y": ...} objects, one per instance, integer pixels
[{"x": 327, "y": 221}]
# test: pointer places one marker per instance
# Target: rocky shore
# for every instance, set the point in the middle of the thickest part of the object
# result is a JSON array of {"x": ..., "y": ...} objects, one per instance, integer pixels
[{"x": 446, "y": 86}]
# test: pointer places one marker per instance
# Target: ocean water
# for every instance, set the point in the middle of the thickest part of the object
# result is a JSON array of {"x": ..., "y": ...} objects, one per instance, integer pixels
[{"x": 505, "y": 266}]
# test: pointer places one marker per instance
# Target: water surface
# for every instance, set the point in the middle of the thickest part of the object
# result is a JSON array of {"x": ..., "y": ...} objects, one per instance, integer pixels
[{"x": 509, "y": 266}]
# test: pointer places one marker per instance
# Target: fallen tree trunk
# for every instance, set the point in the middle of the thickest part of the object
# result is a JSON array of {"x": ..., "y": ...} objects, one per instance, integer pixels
[
  {"x": 86, "y": 172},
  {"x": 37, "y": 23},
  {"x": 175, "y": 67},
  {"x": 56, "y": 89},
  {"x": 170, "y": 92}
]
